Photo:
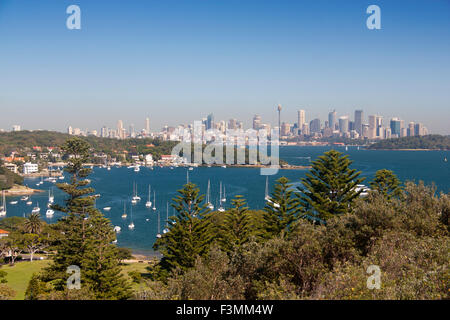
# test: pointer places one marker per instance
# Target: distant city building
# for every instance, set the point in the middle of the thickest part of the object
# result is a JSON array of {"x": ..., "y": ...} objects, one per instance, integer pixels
[
  {"x": 70, "y": 130},
  {"x": 301, "y": 119},
  {"x": 16, "y": 128},
  {"x": 120, "y": 130},
  {"x": 396, "y": 126},
  {"x": 147, "y": 126},
  {"x": 314, "y": 125},
  {"x": 411, "y": 129},
  {"x": 332, "y": 119},
  {"x": 359, "y": 120},
  {"x": 285, "y": 129},
  {"x": 343, "y": 124},
  {"x": 210, "y": 122},
  {"x": 256, "y": 122}
]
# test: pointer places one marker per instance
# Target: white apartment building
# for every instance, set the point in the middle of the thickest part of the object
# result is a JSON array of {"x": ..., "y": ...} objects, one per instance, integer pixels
[{"x": 30, "y": 168}]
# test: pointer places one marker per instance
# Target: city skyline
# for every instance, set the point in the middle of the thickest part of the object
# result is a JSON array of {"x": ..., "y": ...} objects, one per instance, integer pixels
[
  {"x": 360, "y": 127},
  {"x": 232, "y": 59}
]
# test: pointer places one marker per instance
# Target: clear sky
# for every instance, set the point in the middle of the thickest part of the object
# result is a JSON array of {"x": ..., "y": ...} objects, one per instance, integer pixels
[{"x": 177, "y": 61}]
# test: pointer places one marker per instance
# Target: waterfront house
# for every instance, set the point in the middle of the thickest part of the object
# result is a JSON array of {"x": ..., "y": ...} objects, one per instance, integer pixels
[
  {"x": 30, "y": 168},
  {"x": 3, "y": 233}
]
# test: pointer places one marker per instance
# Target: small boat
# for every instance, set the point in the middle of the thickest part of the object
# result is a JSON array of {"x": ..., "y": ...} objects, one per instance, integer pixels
[
  {"x": 106, "y": 208},
  {"x": 266, "y": 195},
  {"x": 220, "y": 209},
  {"x": 166, "y": 229},
  {"x": 108, "y": 168},
  {"x": 224, "y": 166},
  {"x": 148, "y": 204},
  {"x": 124, "y": 215},
  {"x": 131, "y": 225},
  {"x": 190, "y": 168},
  {"x": 51, "y": 197},
  {"x": 445, "y": 159},
  {"x": 208, "y": 197},
  {"x": 158, "y": 235},
  {"x": 117, "y": 229},
  {"x": 24, "y": 198},
  {"x": 13, "y": 202},
  {"x": 49, "y": 213},
  {"x": 137, "y": 168},
  {"x": 36, "y": 209},
  {"x": 154, "y": 201},
  {"x": 29, "y": 202},
  {"x": 135, "y": 198},
  {"x": 114, "y": 241},
  {"x": 61, "y": 178}
]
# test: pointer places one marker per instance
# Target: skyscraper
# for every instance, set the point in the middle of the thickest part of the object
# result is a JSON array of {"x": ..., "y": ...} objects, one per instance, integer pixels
[
  {"x": 332, "y": 119},
  {"x": 372, "y": 134},
  {"x": 343, "y": 124},
  {"x": 359, "y": 120},
  {"x": 210, "y": 122},
  {"x": 120, "y": 130},
  {"x": 301, "y": 118},
  {"x": 147, "y": 126},
  {"x": 314, "y": 125},
  {"x": 411, "y": 129},
  {"x": 396, "y": 128},
  {"x": 256, "y": 122}
]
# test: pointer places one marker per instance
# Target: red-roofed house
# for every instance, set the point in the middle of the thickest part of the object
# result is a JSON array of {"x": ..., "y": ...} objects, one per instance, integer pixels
[{"x": 3, "y": 233}]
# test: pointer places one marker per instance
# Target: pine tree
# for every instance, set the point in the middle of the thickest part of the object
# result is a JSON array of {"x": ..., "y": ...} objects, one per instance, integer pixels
[
  {"x": 329, "y": 187},
  {"x": 281, "y": 209},
  {"x": 387, "y": 184},
  {"x": 188, "y": 235},
  {"x": 85, "y": 235},
  {"x": 236, "y": 228}
]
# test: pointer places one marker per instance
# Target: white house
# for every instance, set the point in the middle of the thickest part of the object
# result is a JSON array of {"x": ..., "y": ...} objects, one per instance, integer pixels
[
  {"x": 148, "y": 160},
  {"x": 30, "y": 168}
]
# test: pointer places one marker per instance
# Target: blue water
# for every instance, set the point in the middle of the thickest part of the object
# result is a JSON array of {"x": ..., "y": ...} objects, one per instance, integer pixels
[{"x": 116, "y": 186}]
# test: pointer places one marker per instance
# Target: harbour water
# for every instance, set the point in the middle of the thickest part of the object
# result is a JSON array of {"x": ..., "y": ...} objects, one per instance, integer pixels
[{"x": 116, "y": 186}]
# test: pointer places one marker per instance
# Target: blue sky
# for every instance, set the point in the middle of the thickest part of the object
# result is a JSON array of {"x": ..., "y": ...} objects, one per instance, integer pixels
[{"x": 177, "y": 61}]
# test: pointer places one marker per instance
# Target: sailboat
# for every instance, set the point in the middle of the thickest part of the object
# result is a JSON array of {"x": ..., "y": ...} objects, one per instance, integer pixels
[
  {"x": 445, "y": 159},
  {"x": 154, "y": 200},
  {"x": 266, "y": 195},
  {"x": 29, "y": 202},
  {"x": 166, "y": 229},
  {"x": 135, "y": 198},
  {"x": 49, "y": 213},
  {"x": 208, "y": 197},
  {"x": 158, "y": 235},
  {"x": 131, "y": 225},
  {"x": 220, "y": 209},
  {"x": 148, "y": 204},
  {"x": 224, "y": 199},
  {"x": 36, "y": 209},
  {"x": 51, "y": 197},
  {"x": 24, "y": 198},
  {"x": 3, "y": 207},
  {"x": 124, "y": 215}
]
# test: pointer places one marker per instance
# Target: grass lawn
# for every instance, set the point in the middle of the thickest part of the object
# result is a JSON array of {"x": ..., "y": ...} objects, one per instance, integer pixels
[
  {"x": 139, "y": 267},
  {"x": 20, "y": 274}
]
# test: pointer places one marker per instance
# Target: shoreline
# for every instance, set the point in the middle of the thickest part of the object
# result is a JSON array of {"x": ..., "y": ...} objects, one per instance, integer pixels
[{"x": 17, "y": 190}]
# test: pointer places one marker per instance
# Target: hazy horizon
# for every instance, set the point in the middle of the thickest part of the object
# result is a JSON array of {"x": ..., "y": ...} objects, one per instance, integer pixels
[{"x": 178, "y": 61}]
